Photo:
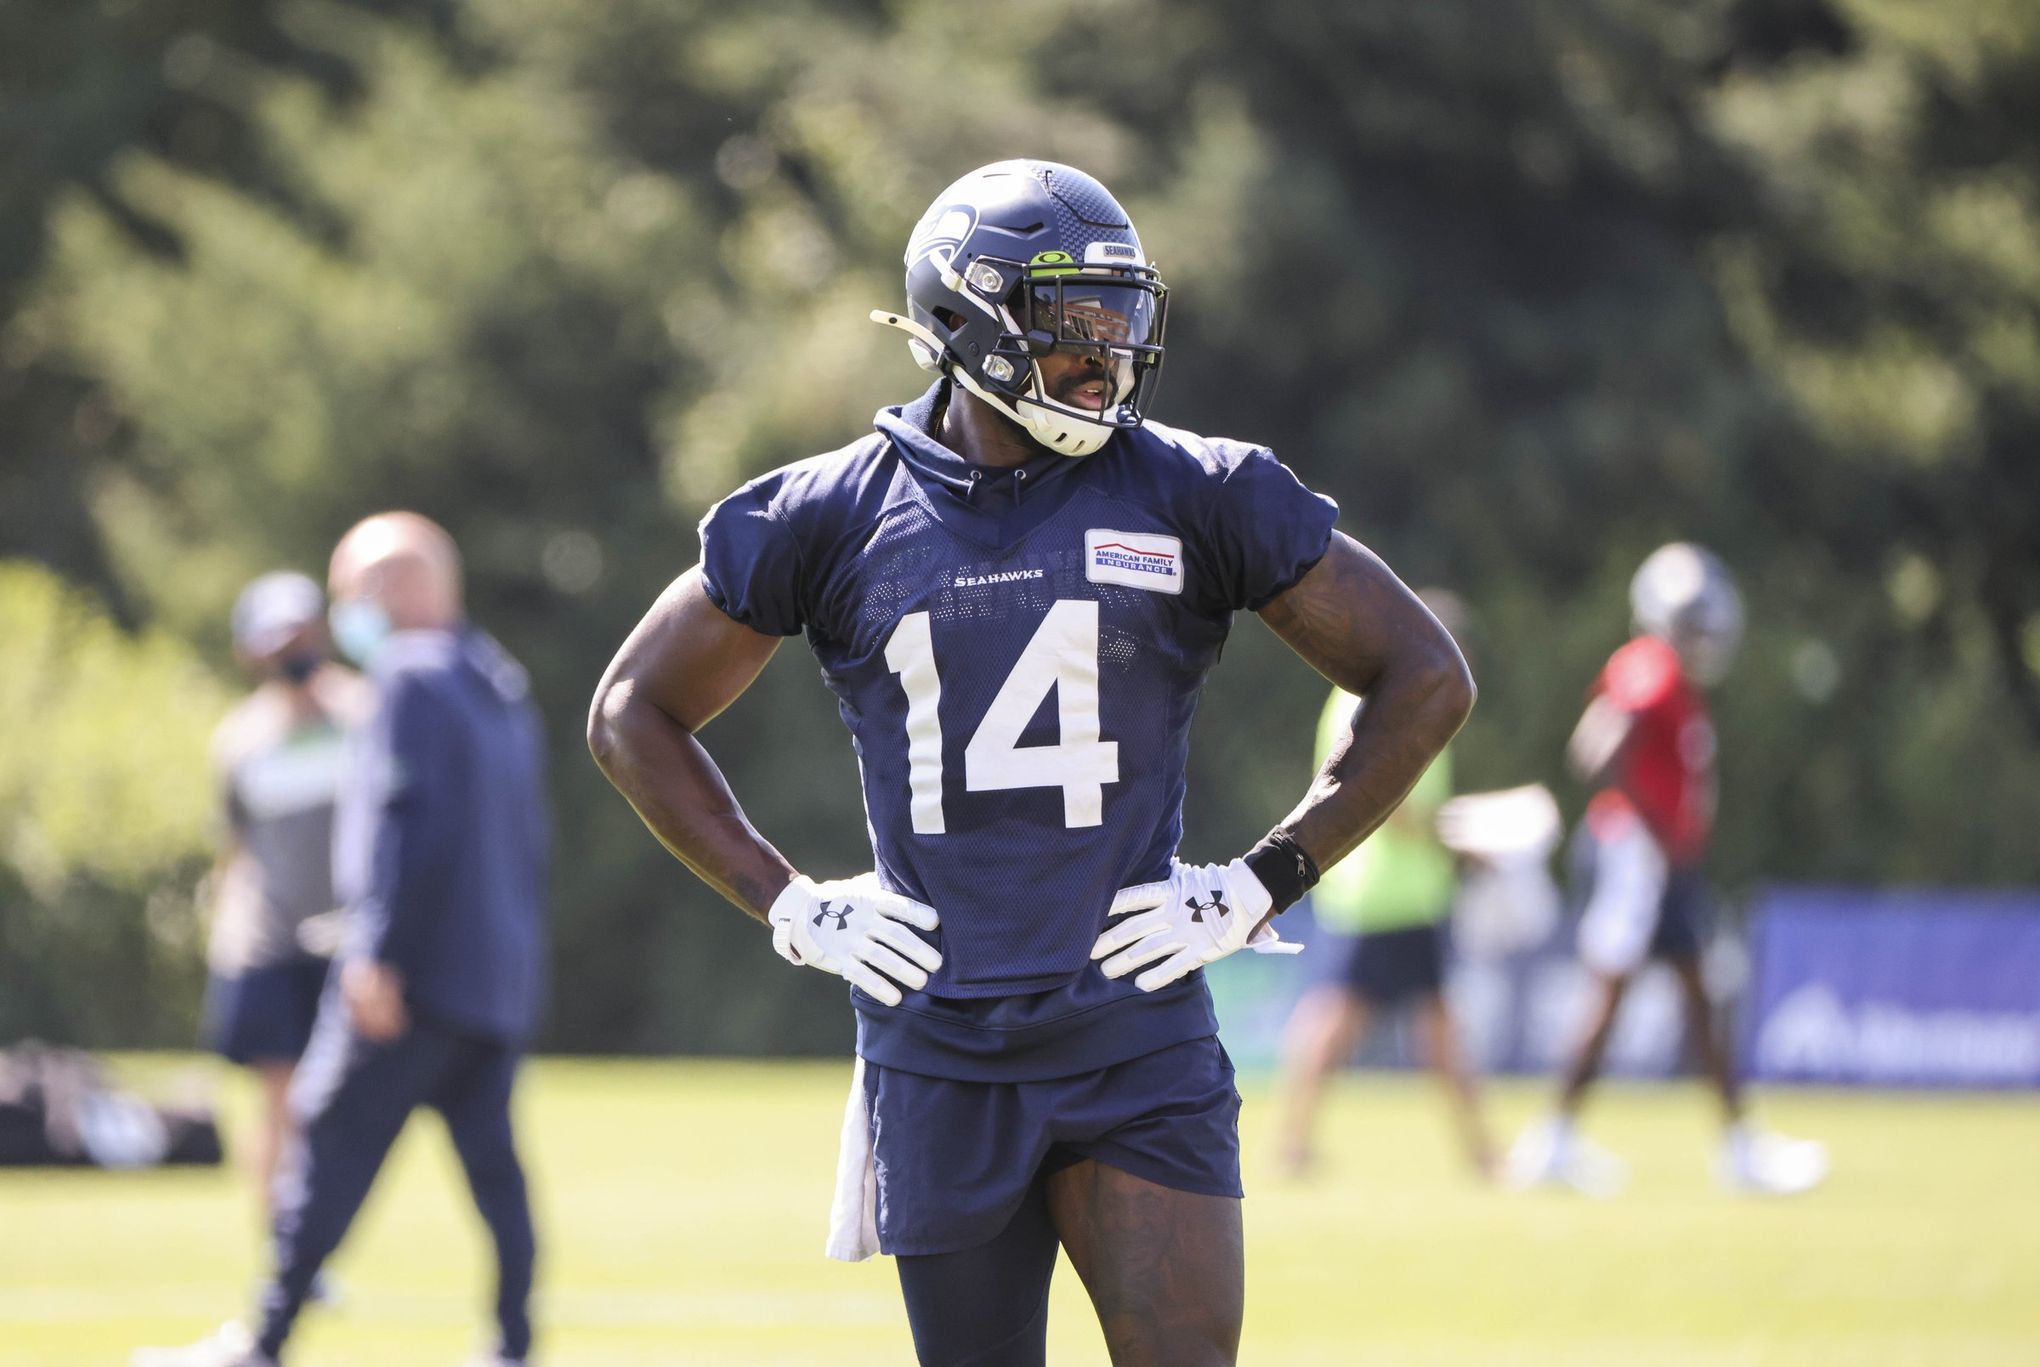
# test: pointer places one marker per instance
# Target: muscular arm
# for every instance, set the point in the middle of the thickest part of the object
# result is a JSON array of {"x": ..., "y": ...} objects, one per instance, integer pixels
[
  {"x": 1357, "y": 625},
  {"x": 682, "y": 665}
]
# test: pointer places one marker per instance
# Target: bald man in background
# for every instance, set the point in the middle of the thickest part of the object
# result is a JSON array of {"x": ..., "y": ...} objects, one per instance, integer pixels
[{"x": 439, "y": 856}]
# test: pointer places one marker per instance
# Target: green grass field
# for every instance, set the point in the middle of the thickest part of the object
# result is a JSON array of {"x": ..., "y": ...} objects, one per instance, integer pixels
[{"x": 682, "y": 1208}]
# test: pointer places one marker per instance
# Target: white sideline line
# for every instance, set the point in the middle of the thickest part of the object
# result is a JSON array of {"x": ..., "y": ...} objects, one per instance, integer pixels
[{"x": 24, "y": 1305}]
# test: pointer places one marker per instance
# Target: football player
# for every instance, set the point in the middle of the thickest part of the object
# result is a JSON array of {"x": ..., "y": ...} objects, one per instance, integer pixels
[
  {"x": 1393, "y": 900},
  {"x": 1646, "y": 745},
  {"x": 1015, "y": 587}
]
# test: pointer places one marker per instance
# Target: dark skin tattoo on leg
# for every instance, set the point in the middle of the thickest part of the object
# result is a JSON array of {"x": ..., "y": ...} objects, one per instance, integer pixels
[{"x": 1165, "y": 1269}]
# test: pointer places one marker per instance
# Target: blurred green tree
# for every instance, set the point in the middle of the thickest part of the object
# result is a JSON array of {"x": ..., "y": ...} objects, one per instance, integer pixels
[
  {"x": 82, "y": 87},
  {"x": 1530, "y": 289},
  {"x": 105, "y": 798},
  {"x": 1885, "y": 278}
]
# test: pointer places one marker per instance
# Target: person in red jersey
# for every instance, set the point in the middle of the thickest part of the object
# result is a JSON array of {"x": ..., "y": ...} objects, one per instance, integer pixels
[{"x": 1647, "y": 746}]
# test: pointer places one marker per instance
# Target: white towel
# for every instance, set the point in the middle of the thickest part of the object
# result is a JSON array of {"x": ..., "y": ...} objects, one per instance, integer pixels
[
  {"x": 853, "y": 1211},
  {"x": 1268, "y": 940}
]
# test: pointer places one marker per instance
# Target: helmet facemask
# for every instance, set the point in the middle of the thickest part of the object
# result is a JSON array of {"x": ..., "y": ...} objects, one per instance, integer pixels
[
  {"x": 1030, "y": 311},
  {"x": 1113, "y": 318},
  {"x": 1707, "y": 638}
]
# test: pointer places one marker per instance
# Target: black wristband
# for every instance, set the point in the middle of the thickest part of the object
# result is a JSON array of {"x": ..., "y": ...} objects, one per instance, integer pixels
[{"x": 1283, "y": 868}]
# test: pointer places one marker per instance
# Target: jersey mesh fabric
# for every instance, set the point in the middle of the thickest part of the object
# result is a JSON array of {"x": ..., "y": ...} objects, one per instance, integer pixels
[
  {"x": 1017, "y": 885},
  {"x": 1401, "y": 876},
  {"x": 851, "y": 545},
  {"x": 1666, "y": 775}
]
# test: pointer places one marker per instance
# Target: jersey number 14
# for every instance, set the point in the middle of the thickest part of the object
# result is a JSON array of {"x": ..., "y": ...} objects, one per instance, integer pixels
[{"x": 1063, "y": 655}]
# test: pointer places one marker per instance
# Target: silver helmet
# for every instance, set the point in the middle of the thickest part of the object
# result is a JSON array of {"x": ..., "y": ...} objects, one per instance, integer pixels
[{"x": 1685, "y": 596}]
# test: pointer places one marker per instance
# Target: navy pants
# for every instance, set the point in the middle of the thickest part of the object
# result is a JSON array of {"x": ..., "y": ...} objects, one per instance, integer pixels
[{"x": 351, "y": 1099}]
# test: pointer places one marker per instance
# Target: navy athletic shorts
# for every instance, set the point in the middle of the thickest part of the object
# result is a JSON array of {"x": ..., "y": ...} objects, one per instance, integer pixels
[
  {"x": 1388, "y": 967},
  {"x": 265, "y": 1013},
  {"x": 1682, "y": 916},
  {"x": 1633, "y": 905},
  {"x": 956, "y": 1159}
]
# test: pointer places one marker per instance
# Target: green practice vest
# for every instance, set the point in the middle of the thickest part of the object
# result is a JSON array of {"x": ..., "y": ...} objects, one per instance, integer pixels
[{"x": 1398, "y": 877}]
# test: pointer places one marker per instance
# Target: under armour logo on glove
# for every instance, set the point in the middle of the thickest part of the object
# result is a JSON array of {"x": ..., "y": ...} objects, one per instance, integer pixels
[
  {"x": 872, "y": 942},
  {"x": 1171, "y": 925}
]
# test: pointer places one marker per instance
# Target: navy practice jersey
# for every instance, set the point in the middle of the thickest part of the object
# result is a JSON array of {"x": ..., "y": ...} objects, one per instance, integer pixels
[{"x": 1018, "y": 655}]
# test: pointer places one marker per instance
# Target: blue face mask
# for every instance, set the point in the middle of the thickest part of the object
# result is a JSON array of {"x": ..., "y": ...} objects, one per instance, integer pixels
[
  {"x": 360, "y": 626},
  {"x": 299, "y": 668}
]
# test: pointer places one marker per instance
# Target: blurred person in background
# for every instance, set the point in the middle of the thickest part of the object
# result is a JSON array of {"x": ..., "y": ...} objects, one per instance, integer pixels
[
  {"x": 1393, "y": 898},
  {"x": 278, "y": 762},
  {"x": 278, "y": 757},
  {"x": 1039, "y": 1063},
  {"x": 440, "y": 856},
  {"x": 1647, "y": 747}
]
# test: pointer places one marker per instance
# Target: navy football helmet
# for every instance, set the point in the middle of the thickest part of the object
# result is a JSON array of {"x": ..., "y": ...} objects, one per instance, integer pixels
[{"x": 1019, "y": 259}]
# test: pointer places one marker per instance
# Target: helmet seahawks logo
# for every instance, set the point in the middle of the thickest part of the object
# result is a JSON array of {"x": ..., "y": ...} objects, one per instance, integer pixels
[{"x": 941, "y": 232}]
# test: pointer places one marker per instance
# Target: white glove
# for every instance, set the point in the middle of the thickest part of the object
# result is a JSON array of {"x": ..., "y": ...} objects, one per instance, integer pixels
[
  {"x": 855, "y": 929},
  {"x": 1199, "y": 914}
]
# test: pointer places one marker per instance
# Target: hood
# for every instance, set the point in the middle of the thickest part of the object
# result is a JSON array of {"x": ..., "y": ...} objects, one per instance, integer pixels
[{"x": 909, "y": 426}]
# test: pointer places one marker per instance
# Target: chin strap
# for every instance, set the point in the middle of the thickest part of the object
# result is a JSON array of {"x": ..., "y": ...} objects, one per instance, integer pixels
[{"x": 1063, "y": 434}]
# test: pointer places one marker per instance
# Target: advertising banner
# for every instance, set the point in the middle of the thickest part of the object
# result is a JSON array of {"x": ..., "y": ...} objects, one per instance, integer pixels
[{"x": 1901, "y": 988}]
